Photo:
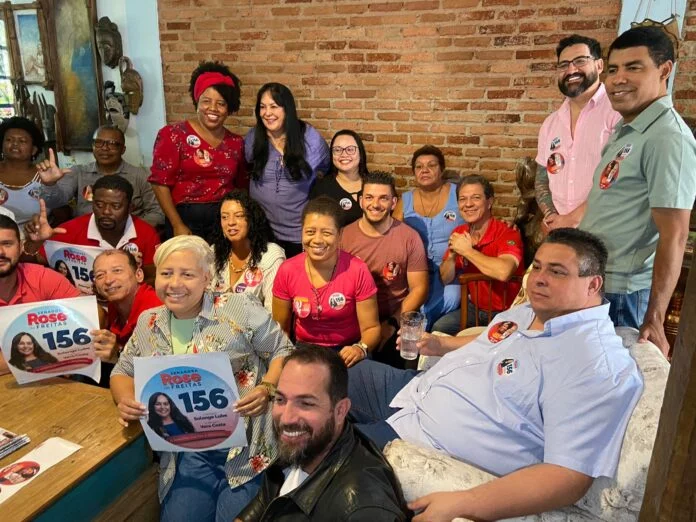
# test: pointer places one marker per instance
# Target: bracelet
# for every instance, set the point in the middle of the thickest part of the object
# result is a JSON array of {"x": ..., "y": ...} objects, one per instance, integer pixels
[
  {"x": 24, "y": 251},
  {"x": 270, "y": 388},
  {"x": 363, "y": 347}
]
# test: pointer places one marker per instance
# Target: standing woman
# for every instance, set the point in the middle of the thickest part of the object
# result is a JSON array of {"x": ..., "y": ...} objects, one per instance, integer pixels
[
  {"x": 20, "y": 179},
  {"x": 343, "y": 182},
  {"x": 431, "y": 208},
  {"x": 246, "y": 259},
  {"x": 285, "y": 154},
  {"x": 197, "y": 161}
]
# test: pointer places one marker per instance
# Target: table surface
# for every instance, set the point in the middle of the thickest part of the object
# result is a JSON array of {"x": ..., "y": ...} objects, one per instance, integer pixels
[{"x": 74, "y": 411}]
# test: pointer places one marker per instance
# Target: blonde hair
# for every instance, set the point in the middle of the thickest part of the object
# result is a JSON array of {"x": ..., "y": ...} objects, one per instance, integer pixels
[{"x": 194, "y": 244}]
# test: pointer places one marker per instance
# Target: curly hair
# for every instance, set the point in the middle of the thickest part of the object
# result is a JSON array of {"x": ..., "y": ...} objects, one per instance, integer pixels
[
  {"x": 18, "y": 122},
  {"x": 230, "y": 94},
  {"x": 259, "y": 231},
  {"x": 294, "y": 152}
]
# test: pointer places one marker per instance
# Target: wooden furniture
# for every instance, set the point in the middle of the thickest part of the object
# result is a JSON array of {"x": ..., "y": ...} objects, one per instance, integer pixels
[
  {"x": 85, "y": 483},
  {"x": 464, "y": 281}
]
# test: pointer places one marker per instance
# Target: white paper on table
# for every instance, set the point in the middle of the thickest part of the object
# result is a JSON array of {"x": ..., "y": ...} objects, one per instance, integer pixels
[
  {"x": 60, "y": 329},
  {"x": 23, "y": 471},
  {"x": 190, "y": 401}
]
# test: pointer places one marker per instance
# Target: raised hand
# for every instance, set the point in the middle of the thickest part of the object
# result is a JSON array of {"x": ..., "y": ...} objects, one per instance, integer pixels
[
  {"x": 37, "y": 229},
  {"x": 48, "y": 170}
]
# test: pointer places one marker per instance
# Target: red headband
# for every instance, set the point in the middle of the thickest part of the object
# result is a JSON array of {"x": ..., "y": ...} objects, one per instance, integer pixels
[{"x": 208, "y": 79}]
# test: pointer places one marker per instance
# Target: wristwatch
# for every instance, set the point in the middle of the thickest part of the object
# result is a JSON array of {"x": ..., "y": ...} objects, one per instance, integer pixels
[
  {"x": 362, "y": 346},
  {"x": 270, "y": 388}
]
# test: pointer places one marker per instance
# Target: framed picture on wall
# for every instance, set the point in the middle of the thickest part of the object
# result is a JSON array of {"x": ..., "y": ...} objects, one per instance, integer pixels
[{"x": 31, "y": 46}]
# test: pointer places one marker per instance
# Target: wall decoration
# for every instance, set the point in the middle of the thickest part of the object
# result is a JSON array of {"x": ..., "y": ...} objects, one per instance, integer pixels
[
  {"x": 109, "y": 42},
  {"x": 31, "y": 55},
  {"x": 131, "y": 84}
]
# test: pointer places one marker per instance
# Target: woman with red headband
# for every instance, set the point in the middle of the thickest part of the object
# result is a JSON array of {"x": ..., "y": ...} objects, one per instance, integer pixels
[{"x": 197, "y": 161}]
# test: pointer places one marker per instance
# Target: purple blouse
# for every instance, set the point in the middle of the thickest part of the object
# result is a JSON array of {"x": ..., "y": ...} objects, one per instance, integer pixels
[{"x": 281, "y": 197}]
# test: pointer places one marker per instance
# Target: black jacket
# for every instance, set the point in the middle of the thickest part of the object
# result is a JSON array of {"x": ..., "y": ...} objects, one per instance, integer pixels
[{"x": 354, "y": 483}]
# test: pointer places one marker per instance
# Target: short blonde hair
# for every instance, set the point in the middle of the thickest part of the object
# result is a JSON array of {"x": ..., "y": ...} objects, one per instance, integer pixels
[{"x": 194, "y": 244}]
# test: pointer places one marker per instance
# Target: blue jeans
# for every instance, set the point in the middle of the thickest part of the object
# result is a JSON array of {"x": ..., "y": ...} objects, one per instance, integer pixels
[
  {"x": 371, "y": 387},
  {"x": 628, "y": 309},
  {"x": 200, "y": 489},
  {"x": 451, "y": 323}
]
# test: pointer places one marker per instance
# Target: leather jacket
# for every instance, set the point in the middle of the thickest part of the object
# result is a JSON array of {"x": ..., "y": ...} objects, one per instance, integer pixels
[{"x": 353, "y": 483}]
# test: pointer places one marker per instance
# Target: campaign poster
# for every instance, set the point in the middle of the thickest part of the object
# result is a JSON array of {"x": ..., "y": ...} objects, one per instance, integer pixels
[
  {"x": 190, "y": 402},
  {"x": 50, "y": 338},
  {"x": 74, "y": 262},
  {"x": 20, "y": 473}
]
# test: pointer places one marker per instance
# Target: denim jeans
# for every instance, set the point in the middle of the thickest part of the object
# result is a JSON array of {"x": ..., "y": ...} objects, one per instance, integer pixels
[
  {"x": 371, "y": 387},
  {"x": 451, "y": 323},
  {"x": 200, "y": 489},
  {"x": 628, "y": 309}
]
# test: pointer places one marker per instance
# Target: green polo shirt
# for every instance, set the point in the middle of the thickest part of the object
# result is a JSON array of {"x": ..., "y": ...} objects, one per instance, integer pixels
[{"x": 656, "y": 159}]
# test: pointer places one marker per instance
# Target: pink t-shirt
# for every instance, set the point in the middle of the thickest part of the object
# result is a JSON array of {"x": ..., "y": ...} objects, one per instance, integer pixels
[
  {"x": 326, "y": 316},
  {"x": 571, "y": 162}
]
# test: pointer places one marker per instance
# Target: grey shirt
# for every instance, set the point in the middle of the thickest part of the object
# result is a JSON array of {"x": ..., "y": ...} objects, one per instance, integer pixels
[{"x": 78, "y": 184}]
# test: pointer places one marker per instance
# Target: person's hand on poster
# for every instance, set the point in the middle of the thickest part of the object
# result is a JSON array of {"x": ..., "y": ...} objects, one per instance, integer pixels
[
  {"x": 130, "y": 410},
  {"x": 106, "y": 345},
  {"x": 48, "y": 170},
  {"x": 253, "y": 403},
  {"x": 38, "y": 230}
]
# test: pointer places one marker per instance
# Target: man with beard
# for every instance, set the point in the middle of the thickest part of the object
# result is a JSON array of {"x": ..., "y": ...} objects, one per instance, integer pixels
[
  {"x": 111, "y": 225},
  {"x": 644, "y": 184},
  {"x": 395, "y": 255},
  {"x": 326, "y": 470},
  {"x": 108, "y": 147},
  {"x": 22, "y": 283},
  {"x": 571, "y": 139}
]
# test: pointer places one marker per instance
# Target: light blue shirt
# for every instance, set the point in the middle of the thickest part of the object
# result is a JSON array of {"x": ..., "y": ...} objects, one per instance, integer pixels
[{"x": 560, "y": 396}]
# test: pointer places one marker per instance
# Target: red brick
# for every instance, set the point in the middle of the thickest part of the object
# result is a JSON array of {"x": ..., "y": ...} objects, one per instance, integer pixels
[
  {"x": 507, "y": 93},
  {"x": 331, "y": 45}
]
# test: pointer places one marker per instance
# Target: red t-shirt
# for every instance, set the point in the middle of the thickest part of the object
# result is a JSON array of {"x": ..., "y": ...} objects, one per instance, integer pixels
[
  {"x": 499, "y": 239},
  {"x": 195, "y": 171},
  {"x": 144, "y": 237},
  {"x": 37, "y": 283},
  {"x": 145, "y": 298},
  {"x": 337, "y": 322}
]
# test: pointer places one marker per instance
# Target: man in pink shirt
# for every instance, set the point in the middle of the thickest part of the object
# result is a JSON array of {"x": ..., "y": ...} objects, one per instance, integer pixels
[{"x": 572, "y": 138}]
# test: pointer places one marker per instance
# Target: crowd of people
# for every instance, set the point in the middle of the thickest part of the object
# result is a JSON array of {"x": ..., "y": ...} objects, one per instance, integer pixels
[{"x": 298, "y": 260}]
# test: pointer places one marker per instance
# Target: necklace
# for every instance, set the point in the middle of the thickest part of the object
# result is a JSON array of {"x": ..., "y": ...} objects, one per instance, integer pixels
[
  {"x": 319, "y": 292},
  {"x": 432, "y": 207},
  {"x": 244, "y": 267}
]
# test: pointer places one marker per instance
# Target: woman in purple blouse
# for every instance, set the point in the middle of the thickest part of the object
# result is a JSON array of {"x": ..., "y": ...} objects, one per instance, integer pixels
[{"x": 285, "y": 154}]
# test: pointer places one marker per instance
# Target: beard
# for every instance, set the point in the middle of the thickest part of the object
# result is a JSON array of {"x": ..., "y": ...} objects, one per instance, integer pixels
[
  {"x": 302, "y": 454},
  {"x": 6, "y": 272},
  {"x": 575, "y": 90},
  {"x": 379, "y": 221}
]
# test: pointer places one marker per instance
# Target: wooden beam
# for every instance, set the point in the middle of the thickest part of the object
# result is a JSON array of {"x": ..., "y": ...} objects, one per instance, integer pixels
[{"x": 670, "y": 493}]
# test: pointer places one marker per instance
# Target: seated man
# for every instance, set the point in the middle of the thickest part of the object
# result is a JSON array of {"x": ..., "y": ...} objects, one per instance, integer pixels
[
  {"x": 22, "y": 283},
  {"x": 108, "y": 147},
  {"x": 394, "y": 253},
  {"x": 110, "y": 226},
  {"x": 485, "y": 245},
  {"x": 326, "y": 470},
  {"x": 542, "y": 397},
  {"x": 119, "y": 280}
]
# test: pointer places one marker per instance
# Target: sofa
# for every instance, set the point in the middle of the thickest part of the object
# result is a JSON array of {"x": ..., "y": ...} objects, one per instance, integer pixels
[{"x": 422, "y": 470}]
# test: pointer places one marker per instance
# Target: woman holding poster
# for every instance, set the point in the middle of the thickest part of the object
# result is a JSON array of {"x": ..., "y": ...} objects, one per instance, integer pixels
[{"x": 197, "y": 485}]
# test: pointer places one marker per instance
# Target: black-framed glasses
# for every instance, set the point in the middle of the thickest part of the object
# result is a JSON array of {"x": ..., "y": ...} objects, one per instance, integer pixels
[
  {"x": 350, "y": 150},
  {"x": 98, "y": 143},
  {"x": 580, "y": 61}
]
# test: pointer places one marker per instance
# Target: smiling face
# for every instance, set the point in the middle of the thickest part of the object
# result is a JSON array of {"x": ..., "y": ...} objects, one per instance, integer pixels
[
  {"x": 233, "y": 221},
  {"x": 573, "y": 81},
  {"x": 377, "y": 202},
  {"x": 554, "y": 285},
  {"x": 634, "y": 81},
  {"x": 474, "y": 207},
  {"x": 428, "y": 172},
  {"x": 25, "y": 346},
  {"x": 180, "y": 284},
  {"x": 320, "y": 237},
  {"x": 17, "y": 145},
  {"x": 272, "y": 115},
  {"x": 345, "y": 154},
  {"x": 211, "y": 109},
  {"x": 162, "y": 407},
  {"x": 115, "y": 278}
]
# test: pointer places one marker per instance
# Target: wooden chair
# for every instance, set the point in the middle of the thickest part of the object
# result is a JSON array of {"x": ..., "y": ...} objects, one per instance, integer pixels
[{"x": 464, "y": 281}]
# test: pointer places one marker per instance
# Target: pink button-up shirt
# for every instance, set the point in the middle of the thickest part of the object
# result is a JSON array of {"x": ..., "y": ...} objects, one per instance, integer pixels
[{"x": 571, "y": 162}]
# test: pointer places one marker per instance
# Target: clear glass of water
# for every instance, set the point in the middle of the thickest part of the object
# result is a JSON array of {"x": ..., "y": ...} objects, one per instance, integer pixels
[{"x": 412, "y": 328}]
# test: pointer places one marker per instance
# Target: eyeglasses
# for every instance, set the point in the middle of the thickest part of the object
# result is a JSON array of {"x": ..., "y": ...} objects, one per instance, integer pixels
[
  {"x": 350, "y": 150},
  {"x": 580, "y": 61},
  {"x": 108, "y": 144}
]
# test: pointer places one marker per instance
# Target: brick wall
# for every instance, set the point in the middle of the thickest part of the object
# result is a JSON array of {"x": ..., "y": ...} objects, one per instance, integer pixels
[{"x": 474, "y": 77}]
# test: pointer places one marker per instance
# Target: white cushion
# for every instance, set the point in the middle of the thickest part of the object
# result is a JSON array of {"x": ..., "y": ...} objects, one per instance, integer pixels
[{"x": 422, "y": 470}]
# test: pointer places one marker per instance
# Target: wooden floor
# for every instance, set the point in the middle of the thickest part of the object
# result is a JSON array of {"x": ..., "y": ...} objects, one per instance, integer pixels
[{"x": 138, "y": 503}]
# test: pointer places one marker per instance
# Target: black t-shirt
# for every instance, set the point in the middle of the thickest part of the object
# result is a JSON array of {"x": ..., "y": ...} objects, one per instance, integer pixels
[{"x": 328, "y": 186}]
